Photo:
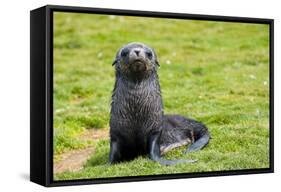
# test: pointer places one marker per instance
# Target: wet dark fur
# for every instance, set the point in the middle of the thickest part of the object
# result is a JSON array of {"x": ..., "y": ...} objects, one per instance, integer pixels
[{"x": 138, "y": 125}]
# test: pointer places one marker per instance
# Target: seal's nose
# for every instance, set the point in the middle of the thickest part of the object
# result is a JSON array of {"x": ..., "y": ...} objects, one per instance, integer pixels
[{"x": 137, "y": 52}]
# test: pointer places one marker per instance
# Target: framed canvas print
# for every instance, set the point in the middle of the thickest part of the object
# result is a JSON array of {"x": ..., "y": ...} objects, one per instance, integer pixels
[{"x": 122, "y": 95}]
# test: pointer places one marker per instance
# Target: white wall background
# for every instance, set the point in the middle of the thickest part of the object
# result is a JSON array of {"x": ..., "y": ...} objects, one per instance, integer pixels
[{"x": 14, "y": 94}]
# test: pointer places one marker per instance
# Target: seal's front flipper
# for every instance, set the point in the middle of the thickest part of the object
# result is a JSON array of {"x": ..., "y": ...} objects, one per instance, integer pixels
[
  {"x": 114, "y": 155},
  {"x": 199, "y": 144}
]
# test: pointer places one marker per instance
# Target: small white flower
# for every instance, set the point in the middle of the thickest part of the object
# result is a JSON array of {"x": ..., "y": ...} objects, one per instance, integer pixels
[
  {"x": 252, "y": 76},
  {"x": 168, "y": 62},
  {"x": 112, "y": 17},
  {"x": 265, "y": 83},
  {"x": 59, "y": 110},
  {"x": 100, "y": 54},
  {"x": 258, "y": 112}
]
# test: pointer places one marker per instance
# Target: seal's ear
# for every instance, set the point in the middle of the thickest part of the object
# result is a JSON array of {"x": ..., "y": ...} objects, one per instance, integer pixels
[
  {"x": 116, "y": 59},
  {"x": 155, "y": 58},
  {"x": 157, "y": 63},
  {"x": 114, "y": 62}
]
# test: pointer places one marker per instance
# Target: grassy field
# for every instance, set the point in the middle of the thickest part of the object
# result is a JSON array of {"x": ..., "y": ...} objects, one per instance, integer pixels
[{"x": 215, "y": 72}]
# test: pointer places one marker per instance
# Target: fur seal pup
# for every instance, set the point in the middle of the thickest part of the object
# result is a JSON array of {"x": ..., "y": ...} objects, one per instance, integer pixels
[{"x": 138, "y": 125}]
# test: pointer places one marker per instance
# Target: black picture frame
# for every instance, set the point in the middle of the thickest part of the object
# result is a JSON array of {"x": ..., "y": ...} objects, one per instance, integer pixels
[{"x": 41, "y": 94}]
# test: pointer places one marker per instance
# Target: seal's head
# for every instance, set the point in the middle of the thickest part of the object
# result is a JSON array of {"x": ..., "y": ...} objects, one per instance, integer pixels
[{"x": 136, "y": 60}]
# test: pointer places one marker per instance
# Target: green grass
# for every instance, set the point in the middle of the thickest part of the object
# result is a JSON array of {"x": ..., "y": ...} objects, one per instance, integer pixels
[{"x": 215, "y": 72}]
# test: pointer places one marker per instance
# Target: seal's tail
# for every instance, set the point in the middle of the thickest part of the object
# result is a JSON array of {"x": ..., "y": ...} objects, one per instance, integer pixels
[{"x": 199, "y": 144}]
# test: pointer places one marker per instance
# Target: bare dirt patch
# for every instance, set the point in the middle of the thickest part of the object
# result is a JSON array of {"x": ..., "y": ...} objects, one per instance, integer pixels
[
  {"x": 95, "y": 134},
  {"x": 75, "y": 159}
]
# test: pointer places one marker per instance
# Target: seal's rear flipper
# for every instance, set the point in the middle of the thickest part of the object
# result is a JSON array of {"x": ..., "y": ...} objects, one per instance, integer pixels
[
  {"x": 154, "y": 152},
  {"x": 199, "y": 144}
]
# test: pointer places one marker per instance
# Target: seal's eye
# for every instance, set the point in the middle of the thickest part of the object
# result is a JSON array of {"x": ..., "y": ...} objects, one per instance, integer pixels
[
  {"x": 149, "y": 54},
  {"x": 124, "y": 52}
]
